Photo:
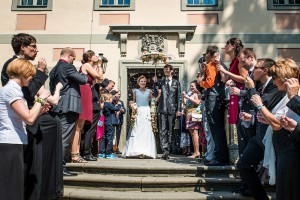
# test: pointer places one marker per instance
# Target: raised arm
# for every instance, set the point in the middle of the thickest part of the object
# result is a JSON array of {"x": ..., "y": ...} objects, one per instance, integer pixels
[
  {"x": 91, "y": 71},
  {"x": 268, "y": 116},
  {"x": 238, "y": 78},
  {"x": 73, "y": 74},
  {"x": 53, "y": 99}
]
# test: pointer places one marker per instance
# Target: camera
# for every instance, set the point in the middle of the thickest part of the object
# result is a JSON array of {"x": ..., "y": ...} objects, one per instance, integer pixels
[{"x": 202, "y": 60}]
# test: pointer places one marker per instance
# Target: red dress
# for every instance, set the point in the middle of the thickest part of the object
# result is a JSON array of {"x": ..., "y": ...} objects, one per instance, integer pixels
[
  {"x": 86, "y": 100},
  {"x": 234, "y": 100}
]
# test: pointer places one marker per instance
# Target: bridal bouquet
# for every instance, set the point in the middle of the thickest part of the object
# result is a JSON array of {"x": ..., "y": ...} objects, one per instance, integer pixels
[
  {"x": 153, "y": 116},
  {"x": 133, "y": 106}
]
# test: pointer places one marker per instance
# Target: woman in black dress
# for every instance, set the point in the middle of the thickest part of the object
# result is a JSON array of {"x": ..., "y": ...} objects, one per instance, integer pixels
[{"x": 287, "y": 147}]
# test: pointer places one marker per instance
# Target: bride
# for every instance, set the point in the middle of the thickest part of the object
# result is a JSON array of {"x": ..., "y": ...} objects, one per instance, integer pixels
[{"x": 140, "y": 141}]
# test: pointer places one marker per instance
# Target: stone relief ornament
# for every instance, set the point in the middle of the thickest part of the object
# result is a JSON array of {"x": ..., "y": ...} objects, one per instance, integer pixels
[{"x": 152, "y": 43}]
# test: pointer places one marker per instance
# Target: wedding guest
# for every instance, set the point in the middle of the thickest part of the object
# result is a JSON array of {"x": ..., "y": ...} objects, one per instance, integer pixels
[
  {"x": 208, "y": 144},
  {"x": 106, "y": 146},
  {"x": 185, "y": 136},
  {"x": 245, "y": 130},
  {"x": 44, "y": 136},
  {"x": 294, "y": 104},
  {"x": 13, "y": 135},
  {"x": 117, "y": 101},
  {"x": 89, "y": 129},
  {"x": 69, "y": 104},
  {"x": 235, "y": 76},
  {"x": 192, "y": 101},
  {"x": 254, "y": 151},
  {"x": 109, "y": 87},
  {"x": 287, "y": 148},
  {"x": 169, "y": 106},
  {"x": 89, "y": 59},
  {"x": 215, "y": 106}
]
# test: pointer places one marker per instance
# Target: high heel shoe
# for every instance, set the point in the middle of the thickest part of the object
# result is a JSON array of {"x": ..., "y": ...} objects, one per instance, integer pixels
[{"x": 194, "y": 156}]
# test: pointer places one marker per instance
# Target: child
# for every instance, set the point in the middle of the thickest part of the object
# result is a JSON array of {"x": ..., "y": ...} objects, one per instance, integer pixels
[
  {"x": 185, "y": 136},
  {"x": 108, "y": 109}
]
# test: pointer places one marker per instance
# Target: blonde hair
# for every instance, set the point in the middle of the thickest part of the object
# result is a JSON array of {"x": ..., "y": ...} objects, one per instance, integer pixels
[
  {"x": 285, "y": 68},
  {"x": 140, "y": 78},
  {"x": 20, "y": 67},
  {"x": 67, "y": 50},
  {"x": 105, "y": 97}
]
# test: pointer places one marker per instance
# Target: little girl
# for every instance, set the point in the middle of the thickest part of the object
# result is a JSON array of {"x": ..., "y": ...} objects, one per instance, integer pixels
[{"x": 108, "y": 109}]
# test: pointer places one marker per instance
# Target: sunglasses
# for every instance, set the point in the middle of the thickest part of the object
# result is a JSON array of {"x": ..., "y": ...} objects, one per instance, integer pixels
[
  {"x": 33, "y": 46},
  {"x": 255, "y": 67}
]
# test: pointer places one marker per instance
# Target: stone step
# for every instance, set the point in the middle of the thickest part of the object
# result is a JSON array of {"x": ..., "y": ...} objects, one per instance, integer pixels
[
  {"x": 73, "y": 193},
  {"x": 176, "y": 166},
  {"x": 151, "y": 184}
]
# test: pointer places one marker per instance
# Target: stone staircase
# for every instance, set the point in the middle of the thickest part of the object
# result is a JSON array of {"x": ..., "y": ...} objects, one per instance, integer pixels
[{"x": 177, "y": 178}]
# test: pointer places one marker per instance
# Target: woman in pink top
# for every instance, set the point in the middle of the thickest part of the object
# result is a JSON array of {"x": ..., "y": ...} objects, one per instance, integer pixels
[{"x": 234, "y": 77}]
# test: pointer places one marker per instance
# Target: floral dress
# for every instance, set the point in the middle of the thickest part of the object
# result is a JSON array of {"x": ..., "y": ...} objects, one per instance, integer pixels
[{"x": 192, "y": 108}]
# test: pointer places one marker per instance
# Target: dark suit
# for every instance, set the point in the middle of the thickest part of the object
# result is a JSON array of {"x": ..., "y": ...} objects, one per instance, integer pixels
[
  {"x": 69, "y": 105},
  {"x": 254, "y": 150},
  {"x": 246, "y": 130},
  {"x": 294, "y": 105},
  {"x": 107, "y": 140},
  {"x": 168, "y": 104},
  {"x": 119, "y": 126}
]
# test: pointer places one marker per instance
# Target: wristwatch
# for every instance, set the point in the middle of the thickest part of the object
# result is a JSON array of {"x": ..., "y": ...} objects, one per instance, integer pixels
[{"x": 259, "y": 107}]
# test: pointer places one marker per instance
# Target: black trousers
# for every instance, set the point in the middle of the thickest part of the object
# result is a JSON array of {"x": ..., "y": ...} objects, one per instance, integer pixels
[
  {"x": 215, "y": 112},
  {"x": 11, "y": 171},
  {"x": 43, "y": 160},
  {"x": 250, "y": 158},
  {"x": 118, "y": 133},
  {"x": 244, "y": 136},
  {"x": 88, "y": 134},
  {"x": 68, "y": 122},
  {"x": 166, "y": 132}
]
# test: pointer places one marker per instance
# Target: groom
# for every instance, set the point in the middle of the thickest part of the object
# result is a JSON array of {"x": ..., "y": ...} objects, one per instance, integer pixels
[{"x": 169, "y": 106}]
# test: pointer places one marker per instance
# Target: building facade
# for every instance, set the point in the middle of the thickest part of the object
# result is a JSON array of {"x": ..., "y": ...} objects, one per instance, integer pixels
[{"x": 123, "y": 29}]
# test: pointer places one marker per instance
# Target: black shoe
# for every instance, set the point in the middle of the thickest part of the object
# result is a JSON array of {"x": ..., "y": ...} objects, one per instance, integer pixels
[
  {"x": 68, "y": 173},
  {"x": 165, "y": 157},
  {"x": 243, "y": 191},
  {"x": 118, "y": 151},
  {"x": 214, "y": 163},
  {"x": 89, "y": 157}
]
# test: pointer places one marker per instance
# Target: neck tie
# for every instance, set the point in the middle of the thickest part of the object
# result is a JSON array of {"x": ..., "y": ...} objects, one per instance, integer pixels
[{"x": 168, "y": 85}]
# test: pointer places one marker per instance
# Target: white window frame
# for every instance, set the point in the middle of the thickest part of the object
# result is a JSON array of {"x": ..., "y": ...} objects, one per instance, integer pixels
[
  {"x": 115, "y": 7},
  {"x": 16, "y": 6},
  {"x": 218, "y": 7},
  {"x": 286, "y": 6}
]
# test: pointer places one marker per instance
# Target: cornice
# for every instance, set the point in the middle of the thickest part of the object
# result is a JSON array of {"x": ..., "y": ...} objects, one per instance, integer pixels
[{"x": 124, "y": 30}]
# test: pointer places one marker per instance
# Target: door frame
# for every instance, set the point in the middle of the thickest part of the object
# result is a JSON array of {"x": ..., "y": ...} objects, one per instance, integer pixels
[{"x": 124, "y": 65}]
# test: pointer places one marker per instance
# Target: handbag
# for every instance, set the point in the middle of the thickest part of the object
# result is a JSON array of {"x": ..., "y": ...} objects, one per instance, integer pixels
[
  {"x": 196, "y": 117},
  {"x": 100, "y": 128}
]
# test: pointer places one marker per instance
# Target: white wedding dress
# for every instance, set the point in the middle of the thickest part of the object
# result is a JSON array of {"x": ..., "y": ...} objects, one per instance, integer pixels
[{"x": 141, "y": 141}]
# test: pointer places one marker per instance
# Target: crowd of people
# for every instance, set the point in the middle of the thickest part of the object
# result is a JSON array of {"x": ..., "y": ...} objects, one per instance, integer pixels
[{"x": 80, "y": 118}]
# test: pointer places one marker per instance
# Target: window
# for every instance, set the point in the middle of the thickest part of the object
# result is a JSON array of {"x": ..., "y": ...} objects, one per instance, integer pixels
[
  {"x": 187, "y": 5},
  {"x": 284, "y": 4},
  {"x": 114, "y": 4},
  {"x": 32, "y": 5},
  {"x": 201, "y": 3}
]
